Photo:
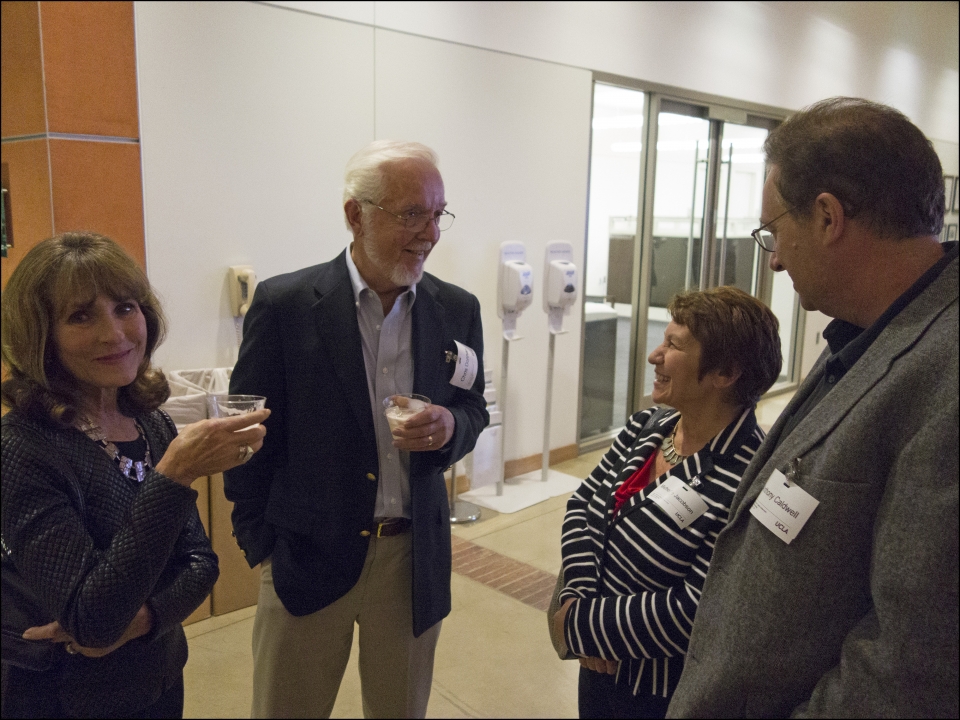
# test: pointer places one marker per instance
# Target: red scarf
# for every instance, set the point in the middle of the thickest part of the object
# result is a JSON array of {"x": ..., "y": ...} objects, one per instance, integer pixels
[{"x": 634, "y": 484}]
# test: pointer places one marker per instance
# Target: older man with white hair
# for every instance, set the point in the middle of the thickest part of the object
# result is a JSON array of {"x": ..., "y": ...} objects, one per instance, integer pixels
[{"x": 350, "y": 521}]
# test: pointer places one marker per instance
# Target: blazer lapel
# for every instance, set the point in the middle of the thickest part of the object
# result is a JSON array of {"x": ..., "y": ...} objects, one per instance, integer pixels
[
  {"x": 336, "y": 317},
  {"x": 697, "y": 464},
  {"x": 428, "y": 316}
]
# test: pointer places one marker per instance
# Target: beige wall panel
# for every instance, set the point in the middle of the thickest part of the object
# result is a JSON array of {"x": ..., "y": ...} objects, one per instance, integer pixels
[
  {"x": 249, "y": 114},
  {"x": 513, "y": 135}
]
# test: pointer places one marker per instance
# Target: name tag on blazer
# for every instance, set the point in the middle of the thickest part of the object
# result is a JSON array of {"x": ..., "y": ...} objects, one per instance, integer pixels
[
  {"x": 465, "y": 371},
  {"x": 783, "y": 507},
  {"x": 679, "y": 501}
]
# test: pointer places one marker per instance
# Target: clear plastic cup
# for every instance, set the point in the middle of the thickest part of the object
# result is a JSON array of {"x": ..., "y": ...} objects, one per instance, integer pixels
[
  {"x": 224, "y": 405},
  {"x": 400, "y": 408}
]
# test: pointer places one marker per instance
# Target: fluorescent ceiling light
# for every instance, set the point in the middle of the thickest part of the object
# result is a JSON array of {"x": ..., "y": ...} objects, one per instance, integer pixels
[{"x": 626, "y": 147}]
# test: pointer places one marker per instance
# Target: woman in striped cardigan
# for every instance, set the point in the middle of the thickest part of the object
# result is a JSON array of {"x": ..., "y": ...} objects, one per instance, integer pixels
[{"x": 639, "y": 532}]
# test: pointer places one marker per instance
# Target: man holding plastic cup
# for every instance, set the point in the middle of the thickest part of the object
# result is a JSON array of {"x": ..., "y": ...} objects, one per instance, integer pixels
[{"x": 349, "y": 519}]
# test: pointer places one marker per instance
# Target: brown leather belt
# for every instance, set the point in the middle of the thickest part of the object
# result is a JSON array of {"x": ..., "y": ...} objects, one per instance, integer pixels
[{"x": 390, "y": 526}]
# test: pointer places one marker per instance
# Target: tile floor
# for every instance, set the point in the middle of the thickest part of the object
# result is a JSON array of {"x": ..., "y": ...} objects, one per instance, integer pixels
[{"x": 494, "y": 658}]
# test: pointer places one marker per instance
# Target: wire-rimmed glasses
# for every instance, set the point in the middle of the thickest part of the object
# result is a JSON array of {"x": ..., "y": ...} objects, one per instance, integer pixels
[
  {"x": 765, "y": 239},
  {"x": 416, "y": 222}
]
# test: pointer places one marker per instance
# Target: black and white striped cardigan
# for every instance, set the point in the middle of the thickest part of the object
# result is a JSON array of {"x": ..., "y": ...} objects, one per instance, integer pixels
[{"x": 638, "y": 579}]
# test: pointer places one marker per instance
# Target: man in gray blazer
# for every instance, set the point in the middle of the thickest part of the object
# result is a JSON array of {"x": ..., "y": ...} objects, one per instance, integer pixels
[{"x": 833, "y": 590}]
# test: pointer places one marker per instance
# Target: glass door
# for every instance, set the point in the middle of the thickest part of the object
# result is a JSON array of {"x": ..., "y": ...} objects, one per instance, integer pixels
[
  {"x": 615, "y": 161},
  {"x": 678, "y": 220},
  {"x": 740, "y": 261},
  {"x": 675, "y": 190}
]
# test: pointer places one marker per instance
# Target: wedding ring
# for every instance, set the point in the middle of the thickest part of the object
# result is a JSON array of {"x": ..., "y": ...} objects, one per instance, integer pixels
[
  {"x": 429, "y": 439},
  {"x": 247, "y": 453},
  {"x": 70, "y": 648}
]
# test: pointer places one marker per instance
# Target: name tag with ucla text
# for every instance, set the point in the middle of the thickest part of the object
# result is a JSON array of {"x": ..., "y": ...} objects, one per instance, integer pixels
[
  {"x": 678, "y": 500},
  {"x": 783, "y": 507},
  {"x": 466, "y": 371}
]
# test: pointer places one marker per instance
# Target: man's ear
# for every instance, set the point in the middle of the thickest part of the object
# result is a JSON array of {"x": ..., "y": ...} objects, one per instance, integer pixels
[
  {"x": 354, "y": 213},
  {"x": 829, "y": 217}
]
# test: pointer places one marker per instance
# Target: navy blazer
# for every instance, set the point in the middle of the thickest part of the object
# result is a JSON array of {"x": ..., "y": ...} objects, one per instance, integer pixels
[{"x": 307, "y": 495}]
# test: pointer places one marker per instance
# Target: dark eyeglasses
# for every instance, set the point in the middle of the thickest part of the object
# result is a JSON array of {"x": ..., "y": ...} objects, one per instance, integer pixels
[{"x": 764, "y": 237}]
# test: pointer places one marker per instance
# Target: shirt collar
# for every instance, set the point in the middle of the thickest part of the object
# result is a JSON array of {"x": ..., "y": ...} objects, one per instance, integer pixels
[{"x": 359, "y": 284}]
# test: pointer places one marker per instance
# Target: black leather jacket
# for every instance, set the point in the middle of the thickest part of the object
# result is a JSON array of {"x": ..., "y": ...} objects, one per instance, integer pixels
[{"x": 92, "y": 569}]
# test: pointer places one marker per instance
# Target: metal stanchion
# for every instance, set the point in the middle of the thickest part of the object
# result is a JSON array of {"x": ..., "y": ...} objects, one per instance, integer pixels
[
  {"x": 460, "y": 510},
  {"x": 545, "y": 471}
]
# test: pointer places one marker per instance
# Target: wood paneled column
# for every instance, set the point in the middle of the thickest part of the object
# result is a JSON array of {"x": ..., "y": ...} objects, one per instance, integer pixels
[{"x": 70, "y": 126}]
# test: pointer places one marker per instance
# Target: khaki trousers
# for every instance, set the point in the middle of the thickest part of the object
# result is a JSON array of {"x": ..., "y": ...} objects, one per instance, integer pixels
[{"x": 298, "y": 662}]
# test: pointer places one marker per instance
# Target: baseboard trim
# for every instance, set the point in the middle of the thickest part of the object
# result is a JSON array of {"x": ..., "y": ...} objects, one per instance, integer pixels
[{"x": 512, "y": 468}]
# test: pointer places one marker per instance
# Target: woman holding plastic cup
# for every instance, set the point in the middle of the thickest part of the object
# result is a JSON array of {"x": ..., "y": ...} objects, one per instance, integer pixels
[{"x": 104, "y": 554}]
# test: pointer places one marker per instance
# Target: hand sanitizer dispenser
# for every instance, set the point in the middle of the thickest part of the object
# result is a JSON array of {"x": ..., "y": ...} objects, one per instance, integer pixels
[
  {"x": 514, "y": 286},
  {"x": 561, "y": 284},
  {"x": 560, "y": 281}
]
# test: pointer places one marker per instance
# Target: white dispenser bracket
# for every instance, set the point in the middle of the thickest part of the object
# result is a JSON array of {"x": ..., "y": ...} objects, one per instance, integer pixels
[
  {"x": 514, "y": 286},
  {"x": 560, "y": 284},
  {"x": 514, "y": 295},
  {"x": 560, "y": 293}
]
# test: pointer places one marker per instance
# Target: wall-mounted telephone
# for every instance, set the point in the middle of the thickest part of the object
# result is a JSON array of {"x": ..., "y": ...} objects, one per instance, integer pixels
[{"x": 243, "y": 282}]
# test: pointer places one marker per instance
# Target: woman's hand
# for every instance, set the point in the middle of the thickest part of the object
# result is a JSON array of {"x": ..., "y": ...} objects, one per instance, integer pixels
[
  {"x": 211, "y": 446},
  {"x": 590, "y": 663},
  {"x": 600, "y": 665},
  {"x": 54, "y": 632},
  {"x": 561, "y": 616}
]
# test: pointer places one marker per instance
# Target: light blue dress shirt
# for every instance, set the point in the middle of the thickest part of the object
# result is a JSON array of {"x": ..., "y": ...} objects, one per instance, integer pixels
[{"x": 388, "y": 357}]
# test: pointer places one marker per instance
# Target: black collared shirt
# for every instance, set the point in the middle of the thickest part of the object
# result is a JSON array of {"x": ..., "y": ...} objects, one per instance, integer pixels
[{"x": 848, "y": 342}]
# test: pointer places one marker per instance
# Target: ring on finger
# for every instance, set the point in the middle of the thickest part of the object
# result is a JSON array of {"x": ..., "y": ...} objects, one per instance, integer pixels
[
  {"x": 70, "y": 648},
  {"x": 246, "y": 452},
  {"x": 429, "y": 439}
]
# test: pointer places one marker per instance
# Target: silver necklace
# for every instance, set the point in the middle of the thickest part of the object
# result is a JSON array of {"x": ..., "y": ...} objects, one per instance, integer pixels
[
  {"x": 670, "y": 453},
  {"x": 133, "y": 469}
]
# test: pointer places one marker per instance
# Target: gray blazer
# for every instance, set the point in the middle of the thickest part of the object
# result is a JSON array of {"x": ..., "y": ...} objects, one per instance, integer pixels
[{"x": 858, "y": 615}]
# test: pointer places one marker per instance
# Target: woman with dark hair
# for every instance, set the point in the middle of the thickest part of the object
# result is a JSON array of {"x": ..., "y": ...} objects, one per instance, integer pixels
[
  {"x": 104, "y": 554},
  {"x": 638, "y": 534}
]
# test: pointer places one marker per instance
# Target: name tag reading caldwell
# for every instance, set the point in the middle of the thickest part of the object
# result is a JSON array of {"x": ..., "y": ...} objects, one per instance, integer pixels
[
  {"x": 678, "y": 500},
  {"x": 783, "y": 507}
]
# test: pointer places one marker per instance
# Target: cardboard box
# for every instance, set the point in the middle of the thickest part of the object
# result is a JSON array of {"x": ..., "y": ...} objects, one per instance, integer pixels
[{"x": 239, "y": 585}]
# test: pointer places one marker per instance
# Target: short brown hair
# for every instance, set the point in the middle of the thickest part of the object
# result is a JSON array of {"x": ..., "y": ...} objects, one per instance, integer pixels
[
  {"x": 736, "y": 332},
  {"x": 877, "y": 163},
  {"x": 74, "y": 266}
]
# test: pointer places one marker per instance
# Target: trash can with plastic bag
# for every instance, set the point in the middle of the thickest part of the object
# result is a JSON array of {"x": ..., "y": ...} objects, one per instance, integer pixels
[{"x": 238, "y": 585}]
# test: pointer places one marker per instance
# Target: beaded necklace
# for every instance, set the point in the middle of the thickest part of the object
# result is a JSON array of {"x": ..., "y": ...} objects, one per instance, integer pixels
[{"x": 133, "y": 469}]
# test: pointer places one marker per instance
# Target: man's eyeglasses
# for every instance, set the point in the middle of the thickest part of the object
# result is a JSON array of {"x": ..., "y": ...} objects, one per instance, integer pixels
[
  {"x": 764, "y": 237},
  {"x": 416, "y": 222}
]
